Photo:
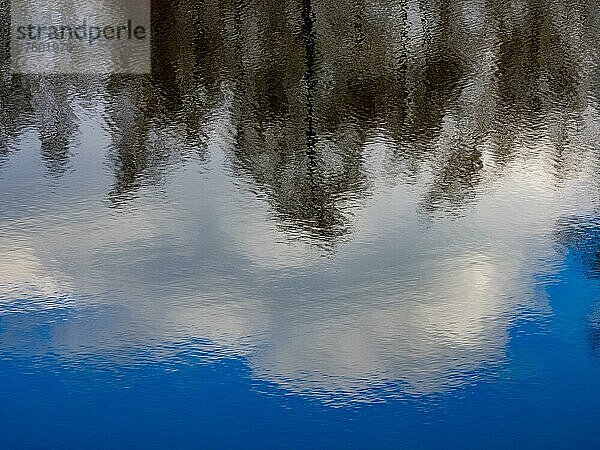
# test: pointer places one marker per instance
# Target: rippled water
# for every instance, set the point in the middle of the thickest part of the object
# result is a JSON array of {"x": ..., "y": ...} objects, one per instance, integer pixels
[{"x": 316, "y": 223}]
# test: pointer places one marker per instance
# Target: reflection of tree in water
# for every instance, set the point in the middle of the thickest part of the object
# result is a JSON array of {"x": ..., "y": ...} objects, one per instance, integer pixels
[
  {"x": 34, "y": 100},
  {"x": 436, "y": 92},
  {"x": 128, "y": 120},
  {"x": 153, "y": 126},
  {"x": 44, "y": 103},
  {"x": 276, "y": 119},
  {"x": 15, "y": 108},
  {"x": 538, "y": 81},
  {"x": 307, "y": 83},
  {"x": 156, "y": 120},
  {"x": 56, "y": 121},
  {"x": 534, "y": 97}
]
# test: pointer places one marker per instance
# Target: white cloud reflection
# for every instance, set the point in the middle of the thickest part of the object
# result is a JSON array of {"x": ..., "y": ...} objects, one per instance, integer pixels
[{"x": 419, "y": 305}]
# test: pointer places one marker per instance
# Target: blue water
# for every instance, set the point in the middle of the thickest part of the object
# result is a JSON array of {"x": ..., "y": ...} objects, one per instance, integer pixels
[{"x": 545, "y": 395}]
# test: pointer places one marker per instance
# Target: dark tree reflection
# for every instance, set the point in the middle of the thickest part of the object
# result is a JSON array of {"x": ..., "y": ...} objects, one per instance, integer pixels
[
  {"x": 458, "y": 91},
  {"x": 56, "y": 122},
  {"x": 15, "y": 108}
]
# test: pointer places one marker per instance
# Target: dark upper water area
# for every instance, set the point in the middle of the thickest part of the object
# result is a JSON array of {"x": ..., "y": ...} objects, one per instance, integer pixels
[{"x": 328, "y": 223}]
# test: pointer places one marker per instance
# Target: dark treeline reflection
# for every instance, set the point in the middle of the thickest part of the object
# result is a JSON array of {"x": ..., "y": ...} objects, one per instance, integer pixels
[{"x": 453, "y": 90}]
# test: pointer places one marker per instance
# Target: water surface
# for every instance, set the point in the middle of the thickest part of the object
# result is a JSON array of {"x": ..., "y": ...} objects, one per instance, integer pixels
[{"x": 316, "y": 223}]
